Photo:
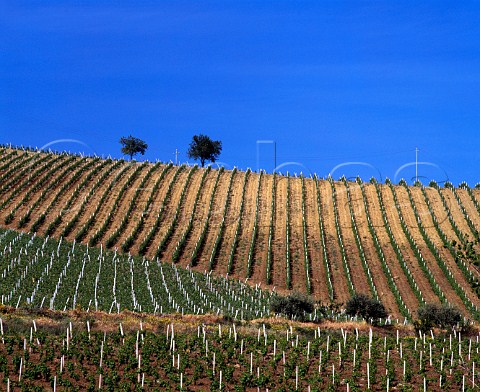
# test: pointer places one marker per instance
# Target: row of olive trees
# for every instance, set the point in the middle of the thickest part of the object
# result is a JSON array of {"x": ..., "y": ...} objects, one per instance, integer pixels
[
  {"x": 297, "y": 305},
  {"x": 201, "y": 148}
]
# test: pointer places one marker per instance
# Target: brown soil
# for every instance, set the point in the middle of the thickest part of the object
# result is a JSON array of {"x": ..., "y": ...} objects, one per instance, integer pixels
[
  {"x": 106, "y": 207},
  {"x": 231, "y": 220},
  {"x": 439, "y": 210},
  {"x": 139, "y": 209},
  {"x": 7, "y": 156},
  {"x": 399, "y": 276},
  {"x": 279, "y": 270},
  {"x": 214, "y": 217},
  {"x": 155, "y": 207},
  {"x": 171, "y": 206},
  {"x": 247, "y": 219},
  {"x": 339, "y": 279},
  {"x": 24, "y": 184},
  {"x": 45, "y": 203},
  {"x": 200, "y": 216},
  {"x": 359, "y": 278},
  {"x": 259, "y": 270},
  {"x": 441, "y": 279},
  {"x": 469, "y": 207},
  {"x": 446, "y": 255},
  {"x": 366, "y": 240},
  {"x": 318, "y": 273},
  {"x": 70, "y": 213},
  {"x": 476, "y": 195},
  {"x": 63, "y": 198},
  {"x": 117, "y": 210},
  {"x": 15, "y": 178},
  {"x": 457, "y": 214},
  {"x": 297, "y": 250},
  {"x": 405, "y": 249},
  {"x": 473, "y": 214}
]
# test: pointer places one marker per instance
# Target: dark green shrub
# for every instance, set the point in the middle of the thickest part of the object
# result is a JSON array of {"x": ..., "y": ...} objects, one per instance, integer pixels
[
  {"x": 436, "y": 315},
  {"x": 368, "y": 308},
  {"x": 293, "y": 306}
]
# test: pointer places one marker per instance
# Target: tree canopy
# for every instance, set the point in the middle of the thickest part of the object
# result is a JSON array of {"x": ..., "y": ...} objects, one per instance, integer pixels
[
  {"x": 132, "y": 146},
  {"x": 293, "y": 306},
  {"x": 437, "y": 315},
  {"x": 368, "y": 308},
  {"x": 204, "y": 149}
]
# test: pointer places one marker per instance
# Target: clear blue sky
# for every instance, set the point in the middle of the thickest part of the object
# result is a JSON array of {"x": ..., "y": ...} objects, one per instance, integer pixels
[{"x": 331, "y": 82}]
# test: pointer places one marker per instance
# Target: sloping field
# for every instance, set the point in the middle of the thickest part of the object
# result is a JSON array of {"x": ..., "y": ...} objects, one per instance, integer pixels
[
  {"x": 328, "y": 238},
  {"x": 87, "y": 351}
]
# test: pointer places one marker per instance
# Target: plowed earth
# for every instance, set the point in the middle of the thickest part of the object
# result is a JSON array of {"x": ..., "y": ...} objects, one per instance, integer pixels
[{"x": 25, "y": 173}]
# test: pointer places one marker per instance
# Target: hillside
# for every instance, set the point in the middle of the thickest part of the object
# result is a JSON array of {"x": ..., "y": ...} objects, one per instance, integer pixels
[{"x": 325, "y": 237}]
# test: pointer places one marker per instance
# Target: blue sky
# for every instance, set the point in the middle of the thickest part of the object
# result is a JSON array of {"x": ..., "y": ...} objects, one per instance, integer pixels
[{"x": 332, "y": 82}]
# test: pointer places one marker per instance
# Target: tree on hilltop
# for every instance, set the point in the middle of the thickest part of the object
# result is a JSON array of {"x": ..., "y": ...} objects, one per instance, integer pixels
[
  {"x": 132, "y": 146},
  {"x": 204, "y": 149}
]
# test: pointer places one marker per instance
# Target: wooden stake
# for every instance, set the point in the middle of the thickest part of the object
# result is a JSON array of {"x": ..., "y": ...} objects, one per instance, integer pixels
[
  {"x": 430, "y": 354},
  {"x": 473, "y": 375},
  {"x": 20, "y": 374},
  {"x": 296, "y": 378},
  {"x": 368, "y": 375}
]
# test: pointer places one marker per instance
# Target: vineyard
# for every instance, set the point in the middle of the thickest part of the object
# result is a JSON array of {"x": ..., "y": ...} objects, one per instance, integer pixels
[
  {"x": 86, "y": 352},
  {"x": 137, "y": 276},
  {"x": 403, "y": 245},
  {"x": 43, "y": 273}
]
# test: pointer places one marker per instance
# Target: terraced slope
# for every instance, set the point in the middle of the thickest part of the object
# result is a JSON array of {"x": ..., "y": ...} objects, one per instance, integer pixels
[{"x": 328, "y": 238}]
